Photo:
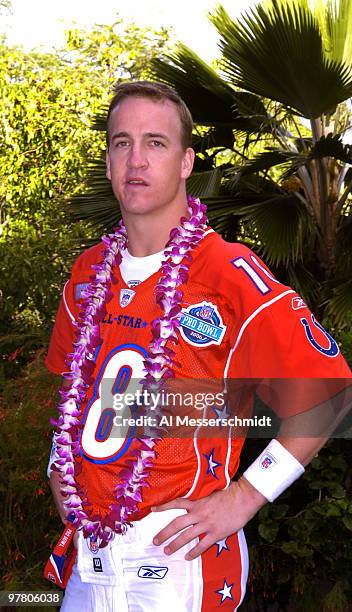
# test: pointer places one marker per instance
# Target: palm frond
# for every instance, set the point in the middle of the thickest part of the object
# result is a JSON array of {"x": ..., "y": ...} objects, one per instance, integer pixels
[
  {"x": 220, "y": 137},
  {"x": 326, "y": 146},
  {"x": 204, "y": 184},
  {"x": 340, "y": 305},
  {"x": 211, "y": 100},
  {"x": 284, "y": 226},
  {"x": 273, "y": 157},
  {"x": 99, "y": 122},
  {"x": 209, "y": 188},
  {"x": 249, "y": 105},
  {"x": 304, "y": 282},
  {"x": 97, "y": 204},
  {"x": 222, "y": 217},
  {"x": 278, "y": 53},
  {"x": 332, "y": 146},
  {"x": 335, "y": 22},
  {"x": 344, "y": 242},
  {"x": 206, "y": 94}
]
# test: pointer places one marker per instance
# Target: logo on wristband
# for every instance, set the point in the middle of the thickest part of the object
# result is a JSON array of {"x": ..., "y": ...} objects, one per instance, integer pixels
[{"x": 267, "y": 461}]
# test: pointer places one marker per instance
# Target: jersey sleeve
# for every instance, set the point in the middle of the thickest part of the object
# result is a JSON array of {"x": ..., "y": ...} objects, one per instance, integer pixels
[
  {"x": 64, "y": 331},
  {"x": 62, "y": 338},
  {"x": 278, "y": 343}
]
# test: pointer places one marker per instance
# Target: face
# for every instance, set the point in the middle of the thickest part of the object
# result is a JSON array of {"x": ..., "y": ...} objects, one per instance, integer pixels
[{"x": 146, "y": 162}]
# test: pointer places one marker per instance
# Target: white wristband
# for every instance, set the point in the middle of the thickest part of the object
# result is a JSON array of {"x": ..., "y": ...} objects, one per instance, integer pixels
[{"x": 273, "y": 471}]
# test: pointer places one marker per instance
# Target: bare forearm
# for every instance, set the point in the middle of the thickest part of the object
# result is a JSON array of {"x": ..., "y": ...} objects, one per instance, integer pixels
[
  {"x": 303, "y": 435},
  {"x": 303, "y": 449}
]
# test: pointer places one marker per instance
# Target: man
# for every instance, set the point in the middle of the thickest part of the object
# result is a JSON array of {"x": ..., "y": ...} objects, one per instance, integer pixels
[{"x": 202, "y": 309}]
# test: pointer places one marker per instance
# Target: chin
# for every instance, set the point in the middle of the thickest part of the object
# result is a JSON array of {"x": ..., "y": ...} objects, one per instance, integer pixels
[
  {"x": 137, "y": 208},
  {"x": 136, "y": 201}
]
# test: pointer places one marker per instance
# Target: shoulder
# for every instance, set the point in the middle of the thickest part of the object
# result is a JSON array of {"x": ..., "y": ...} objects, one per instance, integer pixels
[
  {"x": 238, "y": 273},
  {"x": 89, "y": 257},
  {"x": 227, "y": 255},
  {"x": 215, "y": 245},
  {"x": 233, "y": 262}
]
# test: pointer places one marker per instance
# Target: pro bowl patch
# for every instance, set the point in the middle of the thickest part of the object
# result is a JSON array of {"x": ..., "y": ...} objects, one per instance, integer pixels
[{"x": 202, "y": 325}]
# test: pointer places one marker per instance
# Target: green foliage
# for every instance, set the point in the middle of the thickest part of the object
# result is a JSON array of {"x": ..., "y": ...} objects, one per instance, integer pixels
[
  {"x": 47, "y": 107},
  {"x": 285, "y": 74},
  {"x": 335, "y": 22},
  {"x": 45, "y": 110},
  {"x": 29, "y": 523},
  {"x": 343, "y": 335},
  {"x": 34, "y": 265},
  {"x": 299, "y": 546},
  {"x": 269, "y": 43},
  {"x": 116, "y": 51}
]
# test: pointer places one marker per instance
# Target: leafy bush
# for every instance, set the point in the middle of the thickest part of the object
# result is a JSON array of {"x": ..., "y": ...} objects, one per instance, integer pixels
[
  {"x": 300, "y": 546},
  {"x": 29, "y": 524},
  {"x": 47, "y": 106}
]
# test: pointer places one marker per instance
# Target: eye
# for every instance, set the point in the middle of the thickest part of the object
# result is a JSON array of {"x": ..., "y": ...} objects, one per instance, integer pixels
[
  {"x": 157, "y": 143},
  {"x": 119, "y": 144}
]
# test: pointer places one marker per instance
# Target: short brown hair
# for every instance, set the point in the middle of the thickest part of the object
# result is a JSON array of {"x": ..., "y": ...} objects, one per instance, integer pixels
[{"x": 154, "y": 91}]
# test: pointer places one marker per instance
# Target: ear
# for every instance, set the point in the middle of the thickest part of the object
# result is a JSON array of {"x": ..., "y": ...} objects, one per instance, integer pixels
[
  {"x": 187, "y": 163},
  {"x": 107, "y": 161}
]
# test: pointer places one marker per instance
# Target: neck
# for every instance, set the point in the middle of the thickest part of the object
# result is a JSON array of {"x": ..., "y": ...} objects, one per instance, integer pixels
[{"x": 148, "y": 234}]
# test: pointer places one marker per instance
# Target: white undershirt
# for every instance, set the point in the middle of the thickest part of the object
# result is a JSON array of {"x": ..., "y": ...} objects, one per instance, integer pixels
[{"x": 134, "y": 270}]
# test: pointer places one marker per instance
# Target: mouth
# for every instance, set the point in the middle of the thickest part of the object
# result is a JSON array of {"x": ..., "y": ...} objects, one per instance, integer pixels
[{"x": 136, "y": 182}]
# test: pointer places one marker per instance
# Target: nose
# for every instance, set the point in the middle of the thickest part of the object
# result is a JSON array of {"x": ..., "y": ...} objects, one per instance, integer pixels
[{"x": 137, "y": 157}]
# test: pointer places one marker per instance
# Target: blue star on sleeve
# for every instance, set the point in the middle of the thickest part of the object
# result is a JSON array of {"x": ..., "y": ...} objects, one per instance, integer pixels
[{"x": 221, "y": 414}]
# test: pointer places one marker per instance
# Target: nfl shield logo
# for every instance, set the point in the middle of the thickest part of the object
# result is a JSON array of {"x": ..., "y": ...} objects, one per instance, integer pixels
[
  {"x": 267, "y": 461},
  {"x": 93, "y": 544},
  {"x": 126, "y": 297},
  {"x": 206, "y": 312}
]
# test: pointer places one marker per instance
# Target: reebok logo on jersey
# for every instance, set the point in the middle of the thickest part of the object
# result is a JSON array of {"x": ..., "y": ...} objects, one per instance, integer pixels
[
  {"x": 126, "y": 297},
  {"x": 298, "y": 303},
  {"x": 153, "y": 572},
  {"x": 201, "y": 325},
  {"x": 267, "y": 461},
  {"x": 97, "y": 565}
]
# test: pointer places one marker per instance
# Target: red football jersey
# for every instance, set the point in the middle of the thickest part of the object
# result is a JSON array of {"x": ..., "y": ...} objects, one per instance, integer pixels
[{"x": 238, "y": 322}]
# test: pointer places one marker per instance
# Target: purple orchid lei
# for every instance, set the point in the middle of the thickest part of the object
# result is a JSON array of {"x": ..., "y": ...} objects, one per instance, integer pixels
[{"x": 158, "y": 368}]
